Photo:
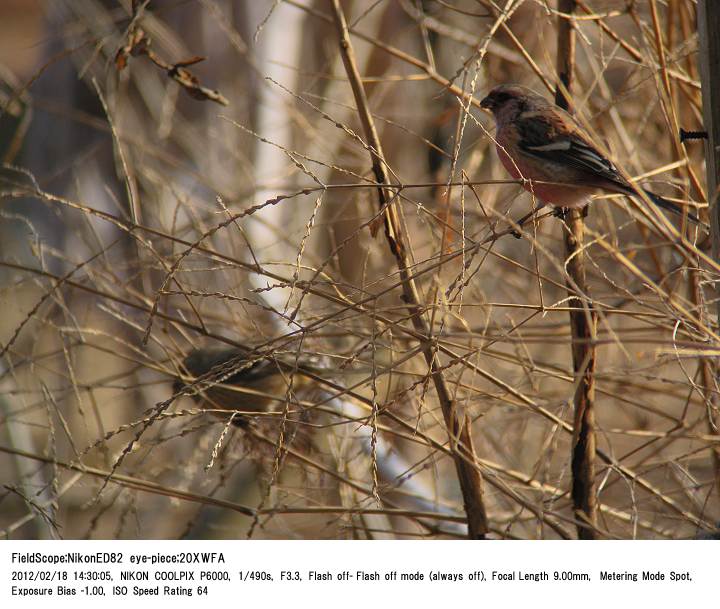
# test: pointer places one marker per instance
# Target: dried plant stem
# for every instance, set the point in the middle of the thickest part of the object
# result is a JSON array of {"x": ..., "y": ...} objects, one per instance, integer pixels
[
  {"x": 708, "y": 16},
  {"x": 583, "y": 327},
  {"x": 458, "y": 427},
  {"x": 583, "y": 319},
  {"x": 708, "y": 19}
]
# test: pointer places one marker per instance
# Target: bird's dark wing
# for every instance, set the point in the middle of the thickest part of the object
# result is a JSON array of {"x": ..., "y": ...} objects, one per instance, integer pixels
[
  {"x": 232, "y": 366},
  {"x": 227, "y": 365},
  {"x": 555, "y": 137}
]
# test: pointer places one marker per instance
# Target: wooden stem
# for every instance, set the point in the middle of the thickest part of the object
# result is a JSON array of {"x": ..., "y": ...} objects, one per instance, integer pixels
[
  {"x": 583, "y": 318},
  {"x": 458, "y": 427}
]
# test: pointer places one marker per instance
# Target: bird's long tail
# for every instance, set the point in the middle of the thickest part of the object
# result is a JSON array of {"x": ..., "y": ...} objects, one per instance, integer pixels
[{"x": 672, "y": 207}]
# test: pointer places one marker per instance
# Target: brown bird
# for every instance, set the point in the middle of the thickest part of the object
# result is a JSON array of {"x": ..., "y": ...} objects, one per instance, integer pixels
[
  {"x": 225, "y": 379},
  {"x": 541, "y": 144}
]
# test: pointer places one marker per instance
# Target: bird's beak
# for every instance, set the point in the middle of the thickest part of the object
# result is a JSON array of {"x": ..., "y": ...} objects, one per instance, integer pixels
[{"x": 486, "y": 103}]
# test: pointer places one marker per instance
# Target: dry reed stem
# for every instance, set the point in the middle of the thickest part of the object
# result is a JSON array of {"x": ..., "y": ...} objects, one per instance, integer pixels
[
  {"x": 583, "y": 318},
  {"x": 708, "y": 18},
  {"x": 458, "y": 427}
]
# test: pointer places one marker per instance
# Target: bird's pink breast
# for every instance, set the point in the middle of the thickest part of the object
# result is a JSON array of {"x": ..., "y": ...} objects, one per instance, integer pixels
[{"x": 548, "y": 181}]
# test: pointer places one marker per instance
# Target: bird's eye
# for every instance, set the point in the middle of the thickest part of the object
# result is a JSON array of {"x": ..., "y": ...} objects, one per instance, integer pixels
[{"x": 501, "y": 98}]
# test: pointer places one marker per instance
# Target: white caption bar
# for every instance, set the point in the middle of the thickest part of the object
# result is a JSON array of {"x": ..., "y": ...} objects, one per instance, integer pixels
[{"x": 318, "y": 574}]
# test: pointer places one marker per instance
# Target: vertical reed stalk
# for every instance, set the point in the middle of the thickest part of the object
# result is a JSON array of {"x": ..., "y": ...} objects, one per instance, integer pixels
[
  {"x": 708, "y": 23},
  {"x": 458, "y": 426},
  {"x": 583, "y": 318}
]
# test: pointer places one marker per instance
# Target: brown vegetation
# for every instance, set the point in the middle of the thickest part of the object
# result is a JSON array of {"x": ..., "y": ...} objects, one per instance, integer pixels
[{"x": 346, "y": 208}]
